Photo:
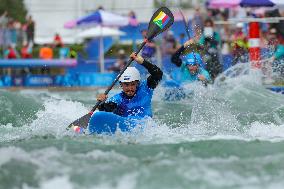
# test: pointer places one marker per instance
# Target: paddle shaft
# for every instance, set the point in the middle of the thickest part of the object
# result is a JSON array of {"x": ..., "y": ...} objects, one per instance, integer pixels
[
  {"x": 118, "y": 76},
  {"x": 186, "y": 26}
]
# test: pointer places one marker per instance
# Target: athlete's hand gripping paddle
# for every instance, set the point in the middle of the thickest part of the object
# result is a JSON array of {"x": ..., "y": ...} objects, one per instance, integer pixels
[
  {"x": 191, "y": 48},
  {"x": 161, "y": 20}
]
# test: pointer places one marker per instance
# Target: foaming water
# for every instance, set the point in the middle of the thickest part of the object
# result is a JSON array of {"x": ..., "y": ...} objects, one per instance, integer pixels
[
  {"x": 17, "y": 109},
  {"x": 226, "y": 135},
  {"x": 51, "y": 119},
  {"x": 231, "y": 107},
  {"x": 210, "y": 164}
]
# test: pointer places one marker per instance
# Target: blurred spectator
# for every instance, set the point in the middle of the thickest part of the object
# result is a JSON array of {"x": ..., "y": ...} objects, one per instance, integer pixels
[
  {"x": 225, "y": 30},
  {"x": 120, "y": 63},
  {"x": 11, "y": 52},
  {"x": 195, "y": 24},
  {"x": 272, "y": 38},
  {"x": 3, "y": 29},
  {"x": 274, "y": 68},
  {"x": 26, "y": 51},
  {"x": 239, "y": 44},
  {"x": 24, "y": 33},
  {"x": 279, "y": 52},
  {"x": 30, "y": 29},
  {"x": 197, "y": 20},
  {"x": 64, "y": 52},
  {"x": 149, "y": 50},
  {"x": 278, "y": 57},
  {"x": 100, "y": 7},
  {"x": 225, "y": 34},
  {"x": 169, "y": 44},
  {"x": 263, "y": 39},
  {"x": 18, "y": 28},
  {"x": 197, "y": 33},
  {"x": 73, "y": 53},
  {"x": 12, "y": 32},
  {"x": 278, "y": 26},
  {"x": 57, "y": 40},
  {"x": 46, "y": 52},
  {"x": 132, "y": 19},
  {"x": 4, "y": 19},
  {"x": 211, "y": 41},
  {"x": 182, "y": 39},
  {"x": 210, "y": 38}
]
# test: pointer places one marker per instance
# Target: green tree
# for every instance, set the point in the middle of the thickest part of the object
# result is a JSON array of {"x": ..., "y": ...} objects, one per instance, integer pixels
[{"x": 15, "y": 8}]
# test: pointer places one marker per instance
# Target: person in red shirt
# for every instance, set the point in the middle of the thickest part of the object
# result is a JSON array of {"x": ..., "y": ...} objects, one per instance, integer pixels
[
  {"x": 10, "y": 53},
  {"x": 239, "y": 44},
  {"x": 26, "y": 51},
  {"x": 57, "y": 41}
]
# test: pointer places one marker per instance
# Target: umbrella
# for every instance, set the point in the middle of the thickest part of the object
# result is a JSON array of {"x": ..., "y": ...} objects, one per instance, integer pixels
[
  {"x": 99, "y": 31},
  {"x": 102, "y": 18},
  {"x": 279, "y": 3},
  {"x": 70, "y": 24},
  {"x": 257, "y": 3},
  {"x": 224, "y": 3}
]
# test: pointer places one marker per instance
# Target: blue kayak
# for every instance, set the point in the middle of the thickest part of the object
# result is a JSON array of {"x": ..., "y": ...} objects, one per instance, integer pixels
[{"x": 107, "y": 123}]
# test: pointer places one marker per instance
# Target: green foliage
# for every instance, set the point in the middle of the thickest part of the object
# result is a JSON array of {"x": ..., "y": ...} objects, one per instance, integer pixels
[
  {"x": 79, "y": 48},
  {"x": 15, "y": 8},
  {"x": 113, "y": 51},
  {"x": 76, "y": 47}
]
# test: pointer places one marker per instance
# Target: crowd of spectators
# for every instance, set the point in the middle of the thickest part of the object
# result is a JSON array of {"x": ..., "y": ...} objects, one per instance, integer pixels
[
  {"x": 218, "y": 37},
  {"x": 17, "y": 41},
  {"x": 16, "y": 35},
  {"x": 209, "y": 28}
]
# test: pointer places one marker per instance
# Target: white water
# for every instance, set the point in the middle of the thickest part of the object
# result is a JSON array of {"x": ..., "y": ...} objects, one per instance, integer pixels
[{"x": 216, "y": 111}]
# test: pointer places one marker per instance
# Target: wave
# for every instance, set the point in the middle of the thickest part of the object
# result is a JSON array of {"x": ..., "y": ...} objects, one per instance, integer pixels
[
  {"x": 210, "y": 164},
  {"x": 237, "y": 107}
]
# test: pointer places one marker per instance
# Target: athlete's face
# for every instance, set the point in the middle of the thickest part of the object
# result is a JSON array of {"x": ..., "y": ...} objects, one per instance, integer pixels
[
  {"x": 192, "y": 69},
  {"x": 129, "y": 88}
]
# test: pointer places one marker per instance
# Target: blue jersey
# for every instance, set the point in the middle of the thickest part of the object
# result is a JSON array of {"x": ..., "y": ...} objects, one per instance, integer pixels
[
  {"x": 139, "y": 106},
  {"x": 186, "y": 76},
  {"x": 279, "y": 53}
]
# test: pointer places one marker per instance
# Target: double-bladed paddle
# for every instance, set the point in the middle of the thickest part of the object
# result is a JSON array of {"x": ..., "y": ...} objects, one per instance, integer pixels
[
  {"x": 161, "y": 20},
  {"x": 185, "y": 24}
]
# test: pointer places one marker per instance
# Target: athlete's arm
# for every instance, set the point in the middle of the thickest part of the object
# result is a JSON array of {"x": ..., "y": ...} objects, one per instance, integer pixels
[
  {"x": 156, "y": 73},
  {"x": 106, "y": 106},
  {"x": 176, "y": 57}
]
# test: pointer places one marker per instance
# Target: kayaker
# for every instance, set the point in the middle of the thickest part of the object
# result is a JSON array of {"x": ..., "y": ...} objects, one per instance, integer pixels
[
  {"x": 136, "y": 95},
  {"x": 192, "y": 66}
]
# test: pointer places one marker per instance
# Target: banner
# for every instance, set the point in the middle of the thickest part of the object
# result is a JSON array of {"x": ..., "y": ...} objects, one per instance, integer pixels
[{"x": 39, "y": 80}]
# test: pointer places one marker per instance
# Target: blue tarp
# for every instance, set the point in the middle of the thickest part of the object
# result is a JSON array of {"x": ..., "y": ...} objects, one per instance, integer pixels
[
  {"x": 93, "y": 47},
  {"x": 256, "y": 3},
  {"x": 37, "y": 63},
  {"x": 134, "y": 33}
]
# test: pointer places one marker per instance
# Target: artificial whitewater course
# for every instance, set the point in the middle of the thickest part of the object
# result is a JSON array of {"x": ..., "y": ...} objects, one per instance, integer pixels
[{"x": 226, "y": 135}]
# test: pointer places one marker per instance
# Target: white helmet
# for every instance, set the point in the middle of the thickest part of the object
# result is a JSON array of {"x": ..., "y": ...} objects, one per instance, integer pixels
[{"x": 130, "y": 74}]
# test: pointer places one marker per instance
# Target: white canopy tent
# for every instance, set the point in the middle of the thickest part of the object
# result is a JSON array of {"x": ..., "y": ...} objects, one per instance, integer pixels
[{"x": 100, "y": 32}]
